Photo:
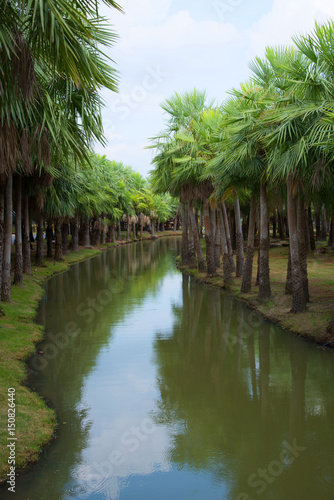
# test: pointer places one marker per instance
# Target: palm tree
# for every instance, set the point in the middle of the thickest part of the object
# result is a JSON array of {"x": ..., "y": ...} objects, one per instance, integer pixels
[
  {"x": 28, "y": 33},
  {"x": 241, "y": 159},
  {"x": 298, "y": 128},
  {"x": 246, "y": 285},
  {"x": 177, "y": 172}
]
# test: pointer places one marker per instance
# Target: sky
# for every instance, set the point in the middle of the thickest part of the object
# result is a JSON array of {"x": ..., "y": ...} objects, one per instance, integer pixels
[{"x": 178, "y": 45}]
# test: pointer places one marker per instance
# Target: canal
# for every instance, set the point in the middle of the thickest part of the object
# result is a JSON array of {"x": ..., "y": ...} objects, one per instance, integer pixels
[{"x": 172, "y": 390}]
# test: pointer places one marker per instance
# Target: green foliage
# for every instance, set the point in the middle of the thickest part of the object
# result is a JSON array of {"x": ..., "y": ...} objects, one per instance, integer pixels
[
  {"x": 276, "y": 126},
  {"x": 51, "y": 70},
  {"x": 105, "y": 187}
]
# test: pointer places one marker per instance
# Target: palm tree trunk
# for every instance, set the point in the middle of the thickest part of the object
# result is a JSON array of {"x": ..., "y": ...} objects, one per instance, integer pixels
[
  {"x": 302, "y": 244},
  {"x": 307, "y": 233},
  {"x": 311, "y": 229},
  {"x": 192, "y": 262},
  {"x": 39, "y": 241},
  {"x": 198, "y": 248},
  {"x": 75, "y": 233},
  {"x": 317, "y": 222},
  {"x": 246, "y": 285},
  {"x": 281, "y": 218},
  {"x": 184, "y": 250},
  {"x": 331, "y": 234},
  {"x": 2, "y": 229},
  {"x": 93, "y": 232},
  {"x": 264, "y": 272},
  {"x": 31, "y": 234},
  {"x": 176, "y": 220},
  {"x": 59, "y": 242},
  {"x": 288, "y": 283},
  {"x": 81, "y": 235},
  {"x": 191, "y": 239},
  {"x": 274, "y": 225},
  {"x": 18, "y": 272},
  {"x": 96, "y": 233},
  {"x": 201, "y": 225},
  {"x": 103, "y": 229},
  {"x": 217, "y": 238},
  {"x": 26, "y": 237},
  {"x": 239, "y": 238},
  {"x": 128, "y": 229},
  {"x": 227, "y": 269},
  {"x": 85, "y": 229},
  {"x": 112, "y": 233},
  {"x": 134, "y": 231},
  {"x": 245, "y": 227},
  {"x": 298, "y": 295},
  {"x": 153, "y": 236},
  {"x": 228, "y": 237},
  {"x": 231, "y": 223},
  {"x": 257, "y": 268},
  {"x": 210, "y": 256},
  {"x": 286, "y": 225},
  {"x": 323, "y": 223},
  {"x": 119, "y": 232},
  {"x": 49, "y": 235},
  {"x": 103, "y": 234},
  {"x": 64, "y": 237},
  {"x": 6, "y": 260}
]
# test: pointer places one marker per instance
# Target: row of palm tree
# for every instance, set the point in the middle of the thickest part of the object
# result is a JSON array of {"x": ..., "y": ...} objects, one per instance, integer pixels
[
  {"x": 52, "y": 68},
  {"x": 266, "y": 153},
  {"x": 101, "y": 199}
]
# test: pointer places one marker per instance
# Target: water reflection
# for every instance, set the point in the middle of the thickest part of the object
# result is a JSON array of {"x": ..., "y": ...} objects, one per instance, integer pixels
[
  {"x": 79, "y": 377},
  {"x": 243, "y": 401},
  {"x": 168, "y": 389}
]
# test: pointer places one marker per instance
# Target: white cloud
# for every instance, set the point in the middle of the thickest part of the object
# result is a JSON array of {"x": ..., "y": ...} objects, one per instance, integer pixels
[
  {"x": 186, "y": 49},
  {"x": 146, "y": 11},
  {"x": 178, "y": 31},
  {"x": 130, "y": 153},
  {"x": 287, "y": 18},
  {"x": 111, "y": 136}
]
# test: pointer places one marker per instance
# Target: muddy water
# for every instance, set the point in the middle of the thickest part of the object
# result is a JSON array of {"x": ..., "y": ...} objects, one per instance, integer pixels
[{"x": 167, "y": 389}]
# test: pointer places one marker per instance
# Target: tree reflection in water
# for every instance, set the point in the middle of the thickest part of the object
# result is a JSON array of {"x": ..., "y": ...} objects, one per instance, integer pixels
[{"x": 233, "y": 389}]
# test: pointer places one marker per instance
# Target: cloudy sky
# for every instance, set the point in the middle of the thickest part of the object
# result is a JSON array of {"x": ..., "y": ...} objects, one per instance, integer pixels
[{"x": 175, "y": 45}]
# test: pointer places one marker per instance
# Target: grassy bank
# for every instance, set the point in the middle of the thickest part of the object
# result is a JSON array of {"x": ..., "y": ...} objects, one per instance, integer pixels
[
  {"x": 312, "y": 324},
  {"x": 35, "y": 421}
]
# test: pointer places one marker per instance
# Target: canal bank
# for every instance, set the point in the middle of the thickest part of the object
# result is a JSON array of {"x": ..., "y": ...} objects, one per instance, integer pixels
[
  {"x": 35, "y": 421},
  {"x": 315, "y": 324}
]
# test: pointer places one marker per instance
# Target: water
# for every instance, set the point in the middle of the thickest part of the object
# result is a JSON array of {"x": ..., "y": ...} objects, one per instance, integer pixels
[{"x": 167, "y": 389}]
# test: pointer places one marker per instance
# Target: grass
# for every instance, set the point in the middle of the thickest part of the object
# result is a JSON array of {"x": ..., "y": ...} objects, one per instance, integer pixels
[
  {"x": 312, "y": 324},
  {"x": 35, "y": 421}
]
